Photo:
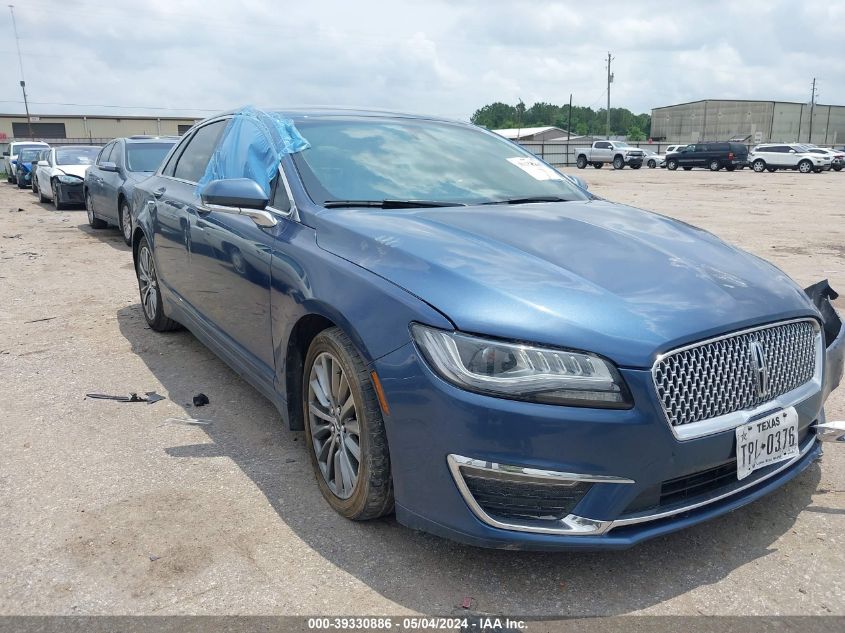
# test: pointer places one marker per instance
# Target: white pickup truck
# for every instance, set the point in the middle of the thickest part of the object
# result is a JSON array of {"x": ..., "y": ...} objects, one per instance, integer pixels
[{"x": 618, "y": 153}]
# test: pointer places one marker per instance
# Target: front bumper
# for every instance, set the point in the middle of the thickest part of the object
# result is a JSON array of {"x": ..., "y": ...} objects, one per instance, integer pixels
[
  {"x": 624, "y": 454},
  {"x": 70, "y": 193}
]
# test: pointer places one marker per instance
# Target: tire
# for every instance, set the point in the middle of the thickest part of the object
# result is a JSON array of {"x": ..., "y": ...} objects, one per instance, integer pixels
[
  {"x": 56, "y": 203},
  {"x": 11, "y": 178},
  {"x": 759, "y": 165},
  {"x": 805, "y": 167},
  {"x": 636, "y": 166},
  {"x": 41, "y": 197},
  {"x": 152, "y": 304},
  {"x": 598, "y": 165},
  {"x": 715, "y": 165},
  {"x": 20, "y": 184},
  {"x": 618, "y": 162},
  {"x": 125, "y": 218},
  {"x": 652, "y": 164},
  {"x": 687, "y": 168},
  {"x": 731, "y": 167},
  {"x": 671, "y": 165},
  {"x": 837, "y": 168},
  {"x": 93, "y": 221},
  {"x": 34, "y": 184},
  {"x": 581, "y": 162},
  {"x": 367, "y": 490}
]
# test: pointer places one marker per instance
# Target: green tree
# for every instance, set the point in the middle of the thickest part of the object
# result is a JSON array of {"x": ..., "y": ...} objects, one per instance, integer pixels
[{"x": 634, "y": 133}]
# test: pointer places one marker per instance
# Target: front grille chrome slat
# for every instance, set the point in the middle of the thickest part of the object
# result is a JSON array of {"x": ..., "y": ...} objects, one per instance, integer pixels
[{"x": 720, "y": 376}]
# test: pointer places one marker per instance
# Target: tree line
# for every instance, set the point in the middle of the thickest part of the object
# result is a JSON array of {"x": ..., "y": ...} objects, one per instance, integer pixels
[{"x": 585, "y": 121}]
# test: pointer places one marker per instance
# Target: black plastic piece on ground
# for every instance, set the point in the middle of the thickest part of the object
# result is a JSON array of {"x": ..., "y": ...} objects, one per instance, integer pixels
[{"x": 200, "y": 400}]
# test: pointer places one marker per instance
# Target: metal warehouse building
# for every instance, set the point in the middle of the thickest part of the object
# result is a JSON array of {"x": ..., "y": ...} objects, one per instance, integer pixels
[
  {"x": 88, "y": 127},
  {"x": 752, "y": 121}
]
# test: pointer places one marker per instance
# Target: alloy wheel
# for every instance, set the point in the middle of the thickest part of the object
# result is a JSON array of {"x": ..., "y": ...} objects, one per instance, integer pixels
[
  {"x": 333, "y": 422},
  {"x": 148, "y": 282},
  {"x": 126, "y": 222},
  {"x": 89, "y": 208},
  {"x": 805, "y": 167}
]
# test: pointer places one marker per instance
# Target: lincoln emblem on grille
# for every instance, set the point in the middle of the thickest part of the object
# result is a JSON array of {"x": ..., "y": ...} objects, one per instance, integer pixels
[{"x": 761, "y": 371}]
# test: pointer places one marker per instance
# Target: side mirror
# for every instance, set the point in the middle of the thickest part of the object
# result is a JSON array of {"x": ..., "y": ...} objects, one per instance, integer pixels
[
  {"x": 108, "y": 166},
  {"x": 5, "y": 153},
  {"x": 238, "y": 196},
  {"x": 43, "y": 163},
  {"x": 792, "y": 151}
]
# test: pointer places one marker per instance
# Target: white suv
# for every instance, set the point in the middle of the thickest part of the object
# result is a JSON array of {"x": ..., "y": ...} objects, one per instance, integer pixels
[{"x": 774, "y": 156}]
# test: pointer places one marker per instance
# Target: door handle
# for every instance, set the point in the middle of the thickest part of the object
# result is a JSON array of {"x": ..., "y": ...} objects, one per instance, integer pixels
[{"x": 158, "y": 193}]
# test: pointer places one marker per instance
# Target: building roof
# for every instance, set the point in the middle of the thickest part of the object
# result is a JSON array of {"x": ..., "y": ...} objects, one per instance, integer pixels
[
  {"x": 151, "y": 117},
  {"x": 822, "y": 105},
  {"x": 514, "y": 133}
]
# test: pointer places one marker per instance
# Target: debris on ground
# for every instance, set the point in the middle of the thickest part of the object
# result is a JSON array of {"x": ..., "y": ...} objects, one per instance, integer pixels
[
  {"x": 200, "y": 400},
  {"x": 188, "y": 421},
  {"x": 152, "y": 397},
  {"x": 154, "y": 558},
  {"x": 467, "y": 602},
  {"x": 40, "y": 320},
  {"x": 16, "y": 236}
]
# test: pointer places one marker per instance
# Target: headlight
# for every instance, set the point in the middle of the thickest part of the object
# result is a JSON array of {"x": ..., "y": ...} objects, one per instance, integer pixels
[
  {"x": 522, "y": 372},
  {"x": 69, "y": 180}
]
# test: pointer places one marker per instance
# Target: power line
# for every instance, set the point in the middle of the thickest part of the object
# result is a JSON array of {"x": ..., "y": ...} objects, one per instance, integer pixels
[{"x": 20, "y": 63}]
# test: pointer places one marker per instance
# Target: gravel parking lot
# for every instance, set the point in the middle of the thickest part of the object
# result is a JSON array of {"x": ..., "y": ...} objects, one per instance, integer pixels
[{"x": 107, "y": 508}]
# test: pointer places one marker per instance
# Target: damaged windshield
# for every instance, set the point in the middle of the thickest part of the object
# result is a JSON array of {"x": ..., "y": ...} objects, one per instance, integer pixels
[{"x": 371, "y": 159}]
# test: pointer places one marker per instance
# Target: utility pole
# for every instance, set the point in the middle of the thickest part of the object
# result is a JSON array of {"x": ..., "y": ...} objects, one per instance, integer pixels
[
  {"x": 609, "y": 81},
  {"x": 812, "y": 109},
  {"x": 569, "y": 124},
  {"x": 20, "y": 63}
]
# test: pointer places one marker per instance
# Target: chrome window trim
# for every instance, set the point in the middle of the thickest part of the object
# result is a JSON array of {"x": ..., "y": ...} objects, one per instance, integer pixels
[
  {"x": 570, "y": 524},
  {"x": 711, "y": 426},
  {"x": 293, "y": 213}
]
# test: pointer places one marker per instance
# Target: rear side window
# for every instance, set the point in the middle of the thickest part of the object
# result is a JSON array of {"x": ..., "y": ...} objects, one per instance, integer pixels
[{"x": 194, "y": 159}]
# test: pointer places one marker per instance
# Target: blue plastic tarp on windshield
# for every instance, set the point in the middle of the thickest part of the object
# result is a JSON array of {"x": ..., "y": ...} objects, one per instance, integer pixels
[{"x": 251, "y": 146}]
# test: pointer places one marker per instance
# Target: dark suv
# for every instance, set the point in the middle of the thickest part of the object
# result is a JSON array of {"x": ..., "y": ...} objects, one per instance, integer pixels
[{"x": 714, "y": 156}]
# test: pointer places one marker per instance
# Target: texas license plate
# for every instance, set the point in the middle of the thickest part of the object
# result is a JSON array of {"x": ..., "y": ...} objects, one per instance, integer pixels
[{"x": 766, "y": 441}]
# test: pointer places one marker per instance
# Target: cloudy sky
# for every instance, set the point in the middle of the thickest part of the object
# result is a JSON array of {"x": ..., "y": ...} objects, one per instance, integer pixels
[{"x": 444, "y": 58}]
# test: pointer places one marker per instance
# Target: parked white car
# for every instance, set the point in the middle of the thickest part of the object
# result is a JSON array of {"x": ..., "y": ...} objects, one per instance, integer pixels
[
  {"x": 60, "y": 175},
  {"x": 10, "y": 156},
  {"x": 653, "y": 159},
  {"x": 774, "y": 156},
  {"x": 837, "y": 157}
]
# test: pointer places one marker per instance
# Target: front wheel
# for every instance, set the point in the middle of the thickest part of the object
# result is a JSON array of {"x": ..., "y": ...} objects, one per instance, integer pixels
[
  {"x": 837, "y": 168},
  {"x": 671, "y": 165},
  {"x": 714, "y": 165},
  {"x": 581, "y": 162},
  {"x": 805, "y": 167},
  {"x": 56, "y": 202},
  {"x": 126, "y": 222},
  {"x": 652, "y": 164},
  {"x": 151, "y": 299},
  {"x": 345, "y": 430},
  {"x": 618, "y": 163},
  {"x": 93, "y": 221}
]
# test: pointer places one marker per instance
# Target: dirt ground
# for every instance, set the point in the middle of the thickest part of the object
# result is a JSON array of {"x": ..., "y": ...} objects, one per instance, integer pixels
[{"x": 107, "y": 508}]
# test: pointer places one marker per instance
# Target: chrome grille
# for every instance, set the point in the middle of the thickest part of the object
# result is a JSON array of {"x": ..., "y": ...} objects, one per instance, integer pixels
[{"x": 718, "y": 377}]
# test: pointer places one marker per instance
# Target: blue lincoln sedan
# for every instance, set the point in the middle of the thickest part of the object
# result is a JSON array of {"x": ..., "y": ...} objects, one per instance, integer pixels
[{"x": 471, "y": 339}]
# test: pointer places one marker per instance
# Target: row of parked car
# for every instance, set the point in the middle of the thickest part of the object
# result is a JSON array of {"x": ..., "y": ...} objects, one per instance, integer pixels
[
  {"x": 102, "y": 178},
  {"x": 765, "y": 157}
]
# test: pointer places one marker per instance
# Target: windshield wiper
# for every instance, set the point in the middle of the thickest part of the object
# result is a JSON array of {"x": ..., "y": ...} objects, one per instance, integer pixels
[
  {"x": 390, "y": 204},
  {"x": 529, "y": 200}
]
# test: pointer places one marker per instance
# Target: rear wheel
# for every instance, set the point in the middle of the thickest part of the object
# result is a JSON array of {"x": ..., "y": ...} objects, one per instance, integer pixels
[
  {"x": 759, "y": 165},
  {"x": 837, "y": 168},
  {"x": 714, "y": 165},
  {"x": 687, "y": 168},
  {"x": 805, "y": 167},
  {"x": 598, "y": 165},
  {"x": 21, "y": 183},
  {"x": 652, "y": 164},
  {"x": 126, "y": 222},
  {"x": 151, "y": 300},
  {"x": 41, "y": 196},
  {"x": 671, "y": 164},
  {"x": 581, "y": 162},
  {"x": 345, "y": 430}
]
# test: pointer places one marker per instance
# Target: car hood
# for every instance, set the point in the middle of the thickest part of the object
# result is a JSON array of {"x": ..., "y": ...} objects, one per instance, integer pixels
[
  {"x": 592, "y": 275},
  {"x": 74, "y": 170}
]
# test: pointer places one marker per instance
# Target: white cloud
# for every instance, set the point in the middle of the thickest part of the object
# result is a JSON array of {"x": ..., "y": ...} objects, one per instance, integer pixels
[{"x": 431, "y": 56}]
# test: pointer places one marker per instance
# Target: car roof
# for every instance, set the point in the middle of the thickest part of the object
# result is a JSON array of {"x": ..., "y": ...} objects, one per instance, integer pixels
[
  {"x": 313, "y": 112},
  {"x": 149, "y": 139}
]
